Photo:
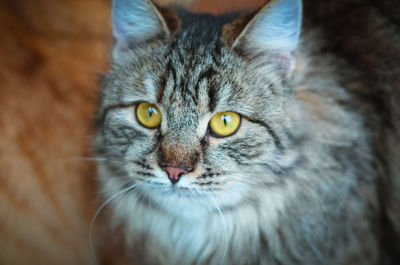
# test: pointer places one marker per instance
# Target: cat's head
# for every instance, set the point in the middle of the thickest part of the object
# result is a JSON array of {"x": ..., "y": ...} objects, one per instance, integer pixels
[{"x": 196, "y": 109}]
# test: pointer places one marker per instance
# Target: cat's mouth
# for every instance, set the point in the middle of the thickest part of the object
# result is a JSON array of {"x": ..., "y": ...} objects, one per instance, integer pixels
[
  {"x": 176, "y": 200},
  {"x": 184, "y": 198},
  {"x": 176, "y": 190}
]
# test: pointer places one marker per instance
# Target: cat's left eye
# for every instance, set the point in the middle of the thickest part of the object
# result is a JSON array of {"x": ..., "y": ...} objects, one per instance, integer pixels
[
  {"x": 225, "y": 124},
  {"x": 148, "y": 115}
]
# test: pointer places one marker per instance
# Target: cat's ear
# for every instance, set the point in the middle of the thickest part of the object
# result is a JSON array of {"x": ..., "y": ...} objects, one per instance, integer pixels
[
  {"x": 274, "y": 29},
  {"x": 137, "y": 21}
]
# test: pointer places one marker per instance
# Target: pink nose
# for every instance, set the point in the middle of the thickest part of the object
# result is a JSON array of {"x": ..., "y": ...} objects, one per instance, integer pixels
[{"x": 174, "y": 173}]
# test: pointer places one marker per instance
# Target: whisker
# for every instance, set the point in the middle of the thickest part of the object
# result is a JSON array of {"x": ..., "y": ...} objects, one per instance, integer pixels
[
  {"x": 225, "y": 228},
  {"x": 89, "y": 158},
  {"x": 98, "y": 212}
]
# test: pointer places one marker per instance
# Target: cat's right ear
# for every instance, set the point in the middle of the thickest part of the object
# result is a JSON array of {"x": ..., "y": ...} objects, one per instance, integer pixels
[
  {"x": 273, "y": 30},
  {"x": 136, "y": 22}
]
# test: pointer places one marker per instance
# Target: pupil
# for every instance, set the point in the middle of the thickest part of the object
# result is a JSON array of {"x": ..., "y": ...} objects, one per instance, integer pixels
[
  {"x": 225, "y": 119},
  {"x": 150, "y": 112}
]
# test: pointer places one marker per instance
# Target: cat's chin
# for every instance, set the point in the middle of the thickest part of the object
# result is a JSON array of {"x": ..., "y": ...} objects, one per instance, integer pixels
[
  {"x": 178, "y": 201},
  {"x": 183, "y": 202}
]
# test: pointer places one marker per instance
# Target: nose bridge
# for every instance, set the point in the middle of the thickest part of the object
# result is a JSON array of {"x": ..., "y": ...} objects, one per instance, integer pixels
[
  {"x": 177, "y": 155},
  {"x": 182, "y": 128},
  {"x": 179, "y": 145},
  {"x": 179, "y": 149},
  {"x": 183, "y": 137}
]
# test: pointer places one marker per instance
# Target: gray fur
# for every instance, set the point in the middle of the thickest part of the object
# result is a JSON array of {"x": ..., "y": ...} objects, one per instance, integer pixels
[{"x": 297, "y": 184}]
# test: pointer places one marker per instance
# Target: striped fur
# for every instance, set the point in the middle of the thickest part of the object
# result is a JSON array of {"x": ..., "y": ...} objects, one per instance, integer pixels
[{"x": 297, "y": 184}]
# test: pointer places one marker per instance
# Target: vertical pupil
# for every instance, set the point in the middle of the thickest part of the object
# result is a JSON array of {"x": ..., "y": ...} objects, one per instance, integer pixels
[
  {"x": 225, "y": 120},
  {"x": 150, "y": 111}
]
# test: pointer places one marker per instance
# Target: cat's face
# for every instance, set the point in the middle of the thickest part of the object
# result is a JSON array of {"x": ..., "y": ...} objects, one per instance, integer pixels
[{"x": 176, "y": 158}]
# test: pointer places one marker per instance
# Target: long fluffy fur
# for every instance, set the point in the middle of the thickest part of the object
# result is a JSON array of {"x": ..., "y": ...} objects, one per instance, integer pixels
[{"x": 305, "y": 190}]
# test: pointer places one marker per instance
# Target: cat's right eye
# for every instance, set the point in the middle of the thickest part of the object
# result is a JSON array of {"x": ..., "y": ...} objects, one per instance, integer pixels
[{"x": 148, "y": 115}]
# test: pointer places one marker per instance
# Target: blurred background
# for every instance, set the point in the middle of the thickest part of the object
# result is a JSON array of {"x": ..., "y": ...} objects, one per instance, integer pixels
[{"x": 51, "y": 54}]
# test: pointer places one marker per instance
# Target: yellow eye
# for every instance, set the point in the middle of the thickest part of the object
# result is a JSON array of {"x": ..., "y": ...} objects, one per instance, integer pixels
[
  {"x": 225, "y": 123},
  {"x": 148, "y": 115}
]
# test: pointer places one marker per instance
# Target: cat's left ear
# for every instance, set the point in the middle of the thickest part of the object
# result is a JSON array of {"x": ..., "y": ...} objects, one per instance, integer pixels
[
  {"x": 274, "y": 30},
  {"x": 139, "y": 21}
]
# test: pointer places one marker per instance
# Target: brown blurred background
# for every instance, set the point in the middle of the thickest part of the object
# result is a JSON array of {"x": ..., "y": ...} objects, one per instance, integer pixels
[{"x": 51, "y": 53}]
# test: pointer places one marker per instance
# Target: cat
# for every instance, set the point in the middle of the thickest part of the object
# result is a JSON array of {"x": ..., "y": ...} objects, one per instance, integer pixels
[{"x": 236, "y": 139}]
